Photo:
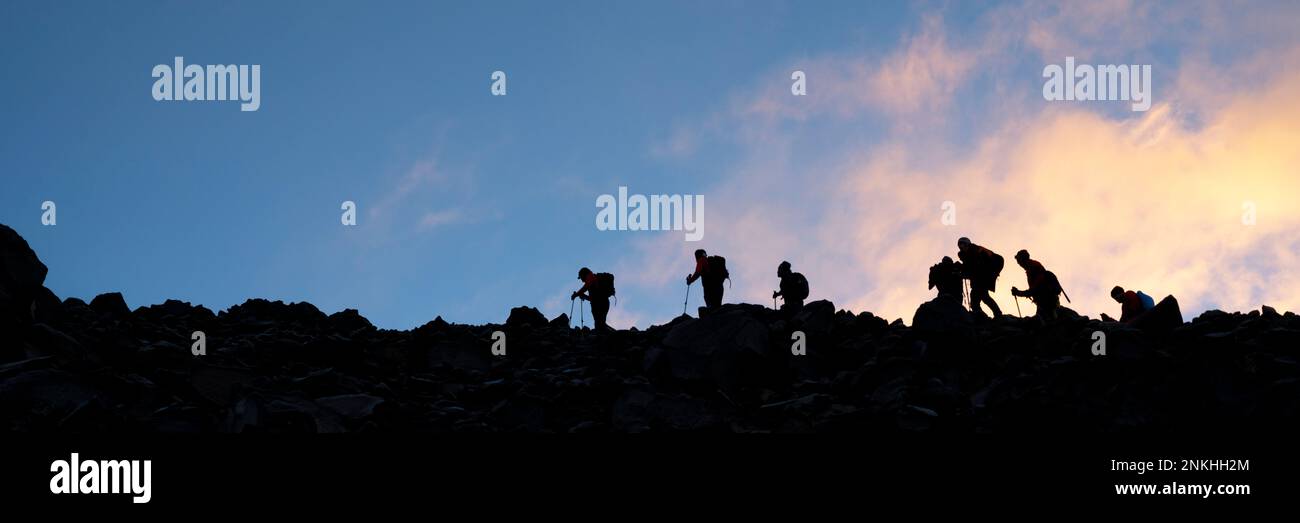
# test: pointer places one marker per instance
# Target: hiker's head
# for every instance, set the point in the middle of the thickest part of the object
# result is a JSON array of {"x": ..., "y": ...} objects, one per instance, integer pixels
[
  {"x": 963, "y": 243},
  {"x": 1117, "y": 293},
  {"x": 1022, "y": 257},
  {"x": 783, "y": 269},
  {"x": 946, "y": 260},
  {"x": 583, "y": 273},
  {"x": 699, "y": 253}
]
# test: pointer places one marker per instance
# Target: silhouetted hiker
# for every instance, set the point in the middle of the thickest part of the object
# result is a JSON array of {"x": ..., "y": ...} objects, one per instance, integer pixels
[
  {"x": 598, "y": 289},
  {"x": 713, "y": 269},
  {"x": 1132, "y": 303},
  {"x": 794, "y": 289},
  {"x": 1044, "y": 288},
  {"x": 982, "y": 267},
  {"x": 947, "y": 276}
]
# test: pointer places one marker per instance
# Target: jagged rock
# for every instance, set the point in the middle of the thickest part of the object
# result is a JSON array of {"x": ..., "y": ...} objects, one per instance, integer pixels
[
  {"x": 276, "y": 367},
  {"x": 1269, "y": 312},
  {"x": 521, "y": 316},
  {"x": 817, "y": 316},
  {"x": 111, "y": 304},
  {"x": 560, "y": 322},
  {"x": 254, "y": 310},
  {"x": 943, "y": 317},
  {"x": 175, "y": 309},
  {"x": 717, "y": 347},
  {"x": 437, "y": 325},
  {"x": 22, "y": 276},
  {"x": 350, "y": 321},
  {"x": 1163, "y": 317}
]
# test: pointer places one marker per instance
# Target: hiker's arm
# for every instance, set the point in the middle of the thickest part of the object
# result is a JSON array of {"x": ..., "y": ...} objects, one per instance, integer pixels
[
  {"x": 578, "y": 293},
  {"x": 699, "y": 271}
]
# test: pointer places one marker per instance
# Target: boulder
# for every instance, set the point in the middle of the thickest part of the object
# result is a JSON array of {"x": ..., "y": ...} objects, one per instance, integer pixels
[
  {"x": 943, "y": 317},
  {"x": 111, "y": 304},
  {"x": 817, "y": 316},
  {"x": 719, "y": 347},
  {"x": 350, "y": 322},
  {"x": 561, "y": 321},
  {"x": 521, "y": 316}
]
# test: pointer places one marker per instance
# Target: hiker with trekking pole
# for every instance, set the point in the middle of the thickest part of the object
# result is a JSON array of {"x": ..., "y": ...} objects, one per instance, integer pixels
[
  {"x": 597, "y": 288},
  {"x": 713, "y": 270},
  {"x": 793, "y": 290},
  {"x": 981, "y": 267},
  {"x": 1044, "y": 289}
]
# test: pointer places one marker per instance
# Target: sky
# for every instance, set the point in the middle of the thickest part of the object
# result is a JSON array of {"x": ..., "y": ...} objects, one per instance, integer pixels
[{"x": 469, "y": 204}]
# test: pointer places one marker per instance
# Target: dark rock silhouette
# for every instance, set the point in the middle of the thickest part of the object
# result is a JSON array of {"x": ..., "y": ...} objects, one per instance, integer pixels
[
  {"x": 521, "y": 316},
  {"x": 277, "y": 367},
  {"x": 944, "y": 317},
  {"x": 22, "y": 275},
  {"x": 111, "y": 304}
]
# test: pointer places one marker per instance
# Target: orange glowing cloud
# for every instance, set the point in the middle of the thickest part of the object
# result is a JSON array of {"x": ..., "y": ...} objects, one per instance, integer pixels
[{"x": 1160, "y": 201}]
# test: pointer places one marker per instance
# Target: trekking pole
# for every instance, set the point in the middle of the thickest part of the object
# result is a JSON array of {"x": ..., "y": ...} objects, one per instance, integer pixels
[
  {"x": 571, "y": 300},
  {"x": 1017, "y": 305},
  {"x": 688, "y": 298},
  {"x": 580, "y": 316}
]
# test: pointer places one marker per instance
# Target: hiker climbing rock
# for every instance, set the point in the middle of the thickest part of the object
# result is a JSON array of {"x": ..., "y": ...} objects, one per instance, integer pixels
[
  {"x": 1144, "y": 312},
  {"x": 946, "y": 276},
  {"x": 982, "y": 267},
  {"x": 1132, "y": 303},
  {"x": 1044, "y": 288},
  {"x": 793, "y": 289},
  {"x": 596, "y": 288},
  {"x": 713, "y": 270}
]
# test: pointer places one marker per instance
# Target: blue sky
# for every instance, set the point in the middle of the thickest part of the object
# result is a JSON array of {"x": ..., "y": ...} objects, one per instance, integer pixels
[{"x": 471, "y": 204}]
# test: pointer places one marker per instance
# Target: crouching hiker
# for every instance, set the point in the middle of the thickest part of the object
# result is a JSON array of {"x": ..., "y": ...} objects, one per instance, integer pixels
[
  {"x": 1044, "y": 288},
  {"x": 1132, "y": 303},
  {"x": 794, "y": 289}
]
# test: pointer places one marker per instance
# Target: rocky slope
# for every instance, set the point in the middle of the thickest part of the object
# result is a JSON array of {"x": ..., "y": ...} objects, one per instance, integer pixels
[{"x": 68, "y": 366}]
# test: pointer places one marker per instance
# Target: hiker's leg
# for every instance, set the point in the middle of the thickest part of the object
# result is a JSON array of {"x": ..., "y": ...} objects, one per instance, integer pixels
[
  {"x": 993, "y": 305},
  {"x": 1046, "y": 308},
  {"x": 977, "y": 296},
  {"x": 599, "y": 311},
  {"x": 712, "y": 296}
]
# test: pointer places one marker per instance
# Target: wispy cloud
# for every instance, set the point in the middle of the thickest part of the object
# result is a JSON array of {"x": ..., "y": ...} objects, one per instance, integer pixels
[{"x": 435, "y": 219}]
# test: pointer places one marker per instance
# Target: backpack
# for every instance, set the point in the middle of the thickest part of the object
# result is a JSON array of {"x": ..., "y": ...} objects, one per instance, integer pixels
[
  {"x": 605, "y": 283},
  {"x": 997, "y": 263},
  {"x": 718, "y": 268},
  {"x": 800, "y": 287},
  {"x": 1148, "y": 302},
  {"x": 1051, "y": 285}
]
